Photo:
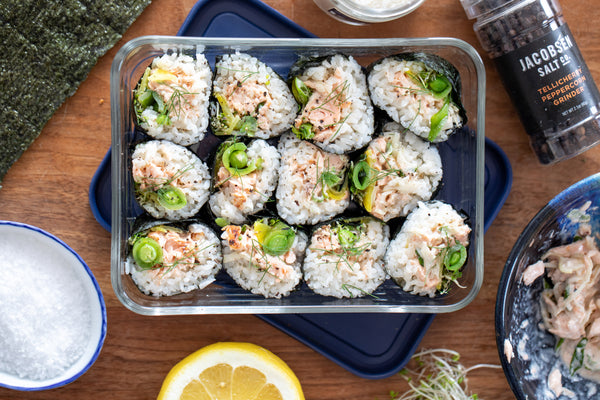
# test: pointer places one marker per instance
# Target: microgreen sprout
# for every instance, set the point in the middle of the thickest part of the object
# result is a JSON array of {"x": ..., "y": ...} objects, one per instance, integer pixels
[{"x": 438, "y": 375}]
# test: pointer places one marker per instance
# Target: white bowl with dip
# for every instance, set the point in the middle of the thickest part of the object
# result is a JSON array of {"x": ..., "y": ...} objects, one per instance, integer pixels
[
  {"x": 361, "y": 12},
  {"x": 52, "y": 312}
]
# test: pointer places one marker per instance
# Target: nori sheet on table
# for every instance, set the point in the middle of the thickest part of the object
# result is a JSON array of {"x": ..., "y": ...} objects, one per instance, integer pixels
[{"x": 48, "y": 48}]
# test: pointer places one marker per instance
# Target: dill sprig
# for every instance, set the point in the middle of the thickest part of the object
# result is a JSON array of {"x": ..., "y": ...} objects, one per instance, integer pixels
[
  {"x": 248, "y": 74},
  {"x": 162, "y": 192},
  {"x": 348, "y": 236},
  {"x": 339, "y": 125},
  {"x": 336, "y": 96},
  {"x": 176, "y": 102},
  {"x": 327, "y": 178},
  {"x": 347, "y": 287},
  {"x": 258, "y": 250}
]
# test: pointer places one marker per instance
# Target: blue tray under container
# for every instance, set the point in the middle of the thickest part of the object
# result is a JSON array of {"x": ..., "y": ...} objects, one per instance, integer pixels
[{"x": 369, "y": 345}]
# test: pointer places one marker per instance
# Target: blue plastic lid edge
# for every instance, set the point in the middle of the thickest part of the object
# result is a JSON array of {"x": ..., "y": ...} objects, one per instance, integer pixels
[
  {"x": 253, "y": 3},
  {"x": 271, "y": 319},
  {"x": 93, "y": 187}
]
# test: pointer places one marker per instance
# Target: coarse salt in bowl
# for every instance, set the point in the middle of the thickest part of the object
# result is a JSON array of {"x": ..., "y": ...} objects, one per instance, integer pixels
[
  {"x": 52, "y": 312},
  {"x": 360, "y": 12}
]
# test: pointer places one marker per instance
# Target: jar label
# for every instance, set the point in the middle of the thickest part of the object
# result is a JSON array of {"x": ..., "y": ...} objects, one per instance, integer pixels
[{"x": 549, "y": 83}]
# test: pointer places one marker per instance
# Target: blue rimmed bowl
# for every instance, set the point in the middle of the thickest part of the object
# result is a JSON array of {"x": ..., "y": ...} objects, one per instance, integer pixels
[
  {"x": 518, "y": 315},
  {"x": 41, "y": 247}
]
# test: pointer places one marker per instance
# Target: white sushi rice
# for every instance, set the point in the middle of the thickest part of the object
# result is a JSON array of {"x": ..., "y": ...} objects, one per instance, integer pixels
[
  {"x": 420, "y": 172},
  {"x": 160, "y": 162},
  {"x": 357, "y": 124},
  {"x": 189, "y": 118},
  {"x": 298, "y": 186},
  {"x": 332, "y": 270},
  {"x": 257, "y": 187},
  {"x": 183, "y": 277},
  {"x": 243, "y": 70},
  {"x": 241, "y": 265},
  {"x": 410, "y": 107},
  {"x": 428, "y": 231}
]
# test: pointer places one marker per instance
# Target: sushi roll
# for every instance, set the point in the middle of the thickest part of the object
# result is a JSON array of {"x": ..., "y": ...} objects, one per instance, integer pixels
[
  {"x": 265, "y": 257},
  {"x": 244, "y": 179},
  {"x": 419, "y": 91},
  {"x": 313, "y": 184},
  {"x": 165, "y": 259},
  {"x": 336, "y": 111},
  {"x": 396, "y": 171},
  {"x": 345, "y": 257},
  {"x": 430, "y": 249},
  {"x": 171, "y": 99},
  {"x": 249, "y": 98},
  {"x": 170, "y": 181}
]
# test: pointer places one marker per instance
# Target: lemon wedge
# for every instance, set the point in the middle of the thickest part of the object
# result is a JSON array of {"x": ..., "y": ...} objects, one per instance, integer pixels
[{"x": 231, "y": 370}]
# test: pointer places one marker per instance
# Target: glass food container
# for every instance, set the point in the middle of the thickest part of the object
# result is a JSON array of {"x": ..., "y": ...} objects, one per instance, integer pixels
[
  {"x": 543, "y": 71},
  {"x": 462, "y": 184}
]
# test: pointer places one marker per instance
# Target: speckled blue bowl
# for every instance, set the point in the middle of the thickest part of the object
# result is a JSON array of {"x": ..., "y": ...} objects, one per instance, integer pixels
[
  {"x": 518, "y": 316},
  {"x": 24, "y": 238}
]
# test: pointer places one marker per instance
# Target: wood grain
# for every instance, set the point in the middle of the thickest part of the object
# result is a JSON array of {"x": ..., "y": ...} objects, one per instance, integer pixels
[{"x": 48, "y": 187}]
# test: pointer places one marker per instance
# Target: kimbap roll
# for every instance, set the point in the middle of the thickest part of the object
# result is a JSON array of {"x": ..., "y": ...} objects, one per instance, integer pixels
[
  {"x": 345, "y": 257},
  {"x": 265, "y": 257},
  {"x": 170, "y": 181},
  {"x": 419, "y": 91},
  {"x": 249, "y": 98},
  {"x": 430, "y": 249},
  {"x": 171, "y": 99},
  {"x": 336, "y": 111},
  {"x": 166, "y": 259},
  {"x": 244, "y": 179},
  {"x": 313, "y": 184},
  {"x": 395, "y": 172}
]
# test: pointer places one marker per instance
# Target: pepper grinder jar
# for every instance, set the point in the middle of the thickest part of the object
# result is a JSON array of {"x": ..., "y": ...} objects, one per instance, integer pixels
[{"x": 543, "y": 72}]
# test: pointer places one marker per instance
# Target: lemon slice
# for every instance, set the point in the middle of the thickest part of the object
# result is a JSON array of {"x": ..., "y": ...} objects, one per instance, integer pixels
[{"x": 230, "y": 370}]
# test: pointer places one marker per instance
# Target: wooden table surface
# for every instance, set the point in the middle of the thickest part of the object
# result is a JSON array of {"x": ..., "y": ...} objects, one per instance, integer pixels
[{"x": 48, "y": 187}]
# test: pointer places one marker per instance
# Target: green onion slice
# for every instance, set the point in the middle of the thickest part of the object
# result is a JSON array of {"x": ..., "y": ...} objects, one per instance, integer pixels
[
  {"x": 361, "y": 175},
  {"x": 247, "y": 126},
  {"x": 147, "y": 252},
  {"x": 238, "y": 159},
  {"x": 230, "y": 120},
  {"x": 304, "y": 132},
  {"x": 300, "y": 91},
  {"x": 437, "y": 120},
  {"x": 455, "y": 257},
  {"x": 347, "y": 236},
  {"x": 171, "y": 197},
  {"x": 276, "y": 238},
  {"x": 440, "y": 87},
  {"x": 235, "y": 160}
]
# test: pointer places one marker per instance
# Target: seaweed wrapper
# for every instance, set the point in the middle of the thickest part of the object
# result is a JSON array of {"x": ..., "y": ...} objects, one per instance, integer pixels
[{"x": 48, "y": 49}]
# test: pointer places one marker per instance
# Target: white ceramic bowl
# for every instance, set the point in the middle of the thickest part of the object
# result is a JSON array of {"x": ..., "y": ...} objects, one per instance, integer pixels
[
  {"x": 359, "y": 13},
  {"x": 35, "y": 244}
]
